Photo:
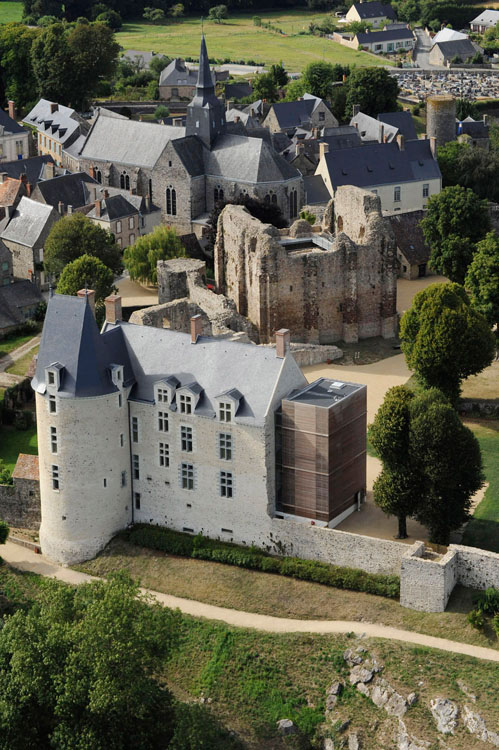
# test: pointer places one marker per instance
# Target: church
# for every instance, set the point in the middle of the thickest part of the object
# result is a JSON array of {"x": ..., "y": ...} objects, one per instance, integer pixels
[{"x": 185, "y": 170}]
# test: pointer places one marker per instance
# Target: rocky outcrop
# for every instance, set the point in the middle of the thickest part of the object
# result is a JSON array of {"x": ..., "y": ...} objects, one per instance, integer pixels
[
  {"x": 475, "y": 724},
  {"x": 445, "y": 713}
]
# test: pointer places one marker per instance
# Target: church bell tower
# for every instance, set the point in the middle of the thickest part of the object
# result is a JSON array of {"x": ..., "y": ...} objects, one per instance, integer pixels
[{"x": 205, "y": 113}]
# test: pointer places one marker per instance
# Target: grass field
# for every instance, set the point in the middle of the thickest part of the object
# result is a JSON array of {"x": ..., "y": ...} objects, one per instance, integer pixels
[
  {"x": 13, "y": 442},
  {"x": 21, "y": 365},
  {"x": 10, "y": 343},
  {"x": 483, "y": 529},
  {"x": 10, "y": 11},
  {"x": 239, "y": 39}
]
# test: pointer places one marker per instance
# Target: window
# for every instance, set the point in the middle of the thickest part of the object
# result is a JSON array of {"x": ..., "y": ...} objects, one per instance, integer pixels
[
  {"x": 225, "y": 411},
  {"x": 185, "y": 403},
  {"x": 225, "y": 446},
  {"x": 186, "y": 439},
  {"x": 105, "y": 482},
  {"x": 396, "y": 194},
  {"x": 164, "y": 454},
  {"x": 218, "y": 194},
  {"x": 19, "y": 148},
  {"x": 52, "y": 405},
  {"x": 98, "y": 176},
  {"x": 426, "y": 190},
  {"x": 377, "y": 47},
  {"x": 123, "y": 478},
  {"x": 55, "y": 477},
  {"x": 135, "y": 466},
  {"x": 162, "y": 395},
  {"x": 293, "y": 204},
  {"x": 171, "y": 201},
  {"x": 124, "y": 181},
  {"x": 131, "y": 222},
  {"x": 131, "y": 239},
  {"x": 120, "y": 400},
  {"x": 53, "y": 439},
  {"x": 51, "y": 377},
  {"x": 122, "y": 440},
  {"x": 162, "y": 421},
  {"x": 322, "y": 116},
  {"x": 135, "y": 430},
  {"x": 118, "y": 227},
  {"x": 5, "y": 266},
  {"x": 136, "y": 497},
  {"x": 226, "y": 484},
  {"x": 119, "y": 241},
  {"x": 187, "y": 476}
]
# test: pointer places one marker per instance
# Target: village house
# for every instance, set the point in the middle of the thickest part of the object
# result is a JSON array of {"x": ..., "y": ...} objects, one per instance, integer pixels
[
  {"x": 57, "y": 128},
  {"x": 454, "y": 51},
  {"x": 177, "y": 82},
  {"x": 375, "y": 13},
  {"x": 413, "y": 253},
  {"x": 308, "y": 112},
  {"x": 19, "y": 300},
  {"x": 487, "y": 19},
  {"x": 14, "y": 139},
  {"x": 389, "y": 40}
]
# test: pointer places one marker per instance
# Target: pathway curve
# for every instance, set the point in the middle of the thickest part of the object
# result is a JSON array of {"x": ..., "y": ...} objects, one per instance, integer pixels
[
  {"x": 6, "y": 378},
  {"x": 25, "y": 559}
]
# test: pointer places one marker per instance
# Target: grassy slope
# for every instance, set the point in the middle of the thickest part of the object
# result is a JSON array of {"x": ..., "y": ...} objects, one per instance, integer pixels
[
  {"x": 239, "y": 39},
  {"x": 483, "y": 530},
  {"x": 13, "y": 442},
  {"x": 264, "y": 593},
  {"x": 21, "y": 365},
  {"x": 10, "y": 11},
  {"x": 253, "y": 679},
  {"x": 10, "y": 343}
]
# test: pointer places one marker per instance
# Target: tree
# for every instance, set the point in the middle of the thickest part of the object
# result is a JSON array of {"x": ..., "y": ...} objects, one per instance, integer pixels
[
  {"x": 75, "y": 235},
  {"x": 159, "y": 63},
  {"x": 373, "y": 89},
  {"x": 111, "y": 18},
  {"x": 141, "y": 258},
  {"x": 88, "y": 272},
  {"x": 161, "y": 111},
  {"x": 17, "y": 76},
  {"x": 445, "y": 339},
  {"x": 455, "y": 221},
  {"x": 466, "y": 108},
  {"x": 318, "y": 78},
  {"x": 177, "y": 11},
  {"x": 264, "y": 87},
  {"x": 447, "y": 457},
  {"x": 156, "y": 15},
  {"x": 474, "y": 168},
  {"x": 51, "y": 65},
  {"x": 278, "y": 73},
  {"x": 218, "y": 13},
  {"x": 77, "y": 669},
  {"x": 482, "y": 279},
  {"x": 5, "y": 478},
  {"x": 93, "y": 53},
  {"x": 396, "y": 490}
]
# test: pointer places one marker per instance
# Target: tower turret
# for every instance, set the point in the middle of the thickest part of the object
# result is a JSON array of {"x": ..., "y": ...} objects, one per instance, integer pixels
[{"x": 205, "y": 113}]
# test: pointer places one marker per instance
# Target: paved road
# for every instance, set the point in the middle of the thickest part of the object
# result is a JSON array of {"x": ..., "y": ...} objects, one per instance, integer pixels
[
  {"x": 24, "y": 559},
  {"x": 422, "y": 51}
]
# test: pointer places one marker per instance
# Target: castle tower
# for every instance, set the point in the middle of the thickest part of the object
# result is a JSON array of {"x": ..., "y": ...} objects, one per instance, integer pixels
[
  {"x": 205, "y": 113},
  {"x": 441, "y": 118},
  {"x": 81, "y": 384}
]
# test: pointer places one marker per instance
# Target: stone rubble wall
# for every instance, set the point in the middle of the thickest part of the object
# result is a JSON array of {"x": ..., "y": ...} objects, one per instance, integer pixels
[{"x": 20, "y": 503}]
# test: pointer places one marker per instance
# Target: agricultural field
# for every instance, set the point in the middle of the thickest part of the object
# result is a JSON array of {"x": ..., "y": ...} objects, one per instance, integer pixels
[
  {"x": 239, "y": 39},
  {"x": 10, "y": 11}
]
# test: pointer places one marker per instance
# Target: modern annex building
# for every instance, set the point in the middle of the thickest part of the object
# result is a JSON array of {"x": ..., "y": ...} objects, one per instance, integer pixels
[{"x": 199, "y": 434}]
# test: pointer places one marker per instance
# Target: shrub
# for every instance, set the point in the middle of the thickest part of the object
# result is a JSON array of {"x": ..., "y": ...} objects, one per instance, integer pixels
[
  {"x": 488, "y": 602},
  {"x": 475, "y": 619},
  {"x": 308, "y": 216},
  {"x": 202, "y": 548},
  {"x": 495, "y": 625},
  {"x": 4, "y": 532}
]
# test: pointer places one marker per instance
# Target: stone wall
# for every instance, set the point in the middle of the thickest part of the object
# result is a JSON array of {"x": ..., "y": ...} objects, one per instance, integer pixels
[
  {"x": 20, "y": 503},
  {"x": 477, "y": 568}
]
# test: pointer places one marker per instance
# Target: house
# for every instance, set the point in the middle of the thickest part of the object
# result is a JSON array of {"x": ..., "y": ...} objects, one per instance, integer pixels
[
  {"x": 308, "y": 112},
  {"x": 448, "y": 35},
  {"x": 412, "y": 251},
  {"x": 66, "y": 192},
  {"x": 375, "y": 13},
  {"x": 239, "y": 90},
  {"x": 203, "y": 435},
  {"x": 57, "y": 127},
  {"x": 19, "y": 302},
  {"x": 116, "y": 214},
  {"x": 177, "y": 82},
  {"x": 11, "y": 192},
  {"x": 33, "y": 169},
  {"x": 487, "y": 19},
  {"x": 6, "y": 276},
  {"x": 25, "y": 236},
  {"x": 388, "y": 40},
  {"x": 455, "y": 51},
  {"x": 403, "y": 174},
  {"x": 385, "y": 128},
  {"x": 474, "y": 132},
  {"x": 14, "y": 139}
]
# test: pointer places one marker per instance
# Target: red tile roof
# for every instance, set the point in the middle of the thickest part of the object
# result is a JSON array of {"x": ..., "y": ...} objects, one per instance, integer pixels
[{"x": 26, "y": 467}]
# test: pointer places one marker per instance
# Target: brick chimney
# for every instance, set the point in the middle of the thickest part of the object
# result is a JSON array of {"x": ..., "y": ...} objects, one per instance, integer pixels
[
  {"x": 196, "y": 328},
  {"x": 90, "y": 295},
  {"x": 49, "y": 170},
  {"x": 53, "y": 107},
  {"x": 91, "y": 172},
  {"x": 113, "y": 308},
  {"x": 323, "y": 150},
  {"x": 105, "y": 193},
  {"x": 29, "y": 188},
  {"x": 97, "y": 208},
  {"x": 401, "y": 141},
  {"x": 381, "y": 133},
  {"x": 282, "y": 342},
  {"x": 433, "y": 146},
  {"x": 12, "y": 109}
]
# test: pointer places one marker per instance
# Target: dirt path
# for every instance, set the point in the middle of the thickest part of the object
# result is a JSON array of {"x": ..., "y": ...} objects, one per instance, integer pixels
[
  {"x": 6, "y": 378},
  {"x": 24, "y": 559}
]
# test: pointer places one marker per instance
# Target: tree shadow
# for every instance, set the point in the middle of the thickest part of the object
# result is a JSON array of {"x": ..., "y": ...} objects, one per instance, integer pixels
[{"x": 482, "y": 533}]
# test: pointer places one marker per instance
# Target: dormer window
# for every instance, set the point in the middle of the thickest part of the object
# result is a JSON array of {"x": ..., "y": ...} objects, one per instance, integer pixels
[
  {"x": 162, "y": 395},
  {"x": 117, "y": 375},
  {"x": 225, "y": 411},
  {"x": 164, "y": 390},
  {"x": 53, "y": 376},
  {"x": 185, "y": 404}
]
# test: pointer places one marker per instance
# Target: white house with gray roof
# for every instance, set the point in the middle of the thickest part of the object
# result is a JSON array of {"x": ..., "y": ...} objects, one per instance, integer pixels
[
  {"x": 57, "y": 127},
  {"x": 487, "y": 19},
  {"x": 141, "y": 424}
]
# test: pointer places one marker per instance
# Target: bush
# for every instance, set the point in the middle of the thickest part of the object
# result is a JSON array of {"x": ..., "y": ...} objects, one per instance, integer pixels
[
  {"x": 308, "y": 216},
  {"x": 202, "y": 548},
  {"x": 488, "y": 602},
  {"x": 495, "y": 625},
  {"x": 4, "y": 532},
  {"x": 475, "y": 619}
]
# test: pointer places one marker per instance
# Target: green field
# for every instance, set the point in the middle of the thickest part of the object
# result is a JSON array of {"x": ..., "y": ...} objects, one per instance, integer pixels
[
  {"x": 13, "y": 442},
  {"x": 239, "y": 39},
  {"x": 10, "y": 11},
  {"x": 483, "y": 529}
]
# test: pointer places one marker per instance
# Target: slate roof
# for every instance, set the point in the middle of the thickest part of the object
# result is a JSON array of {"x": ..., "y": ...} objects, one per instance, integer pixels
[
  {"x": 247, "y": 120},
  {"x": 315, "y": 190},
  {"x": 70, "y": 189},
  {"x": 344, "y": 136},
  {"x": 177, "y": 74},
  {"x": 448, "y": 35},
  {"x": 114, "y": 207},
  {"x": 14, "y": 298},
  {"x": 71, "y": 337},
  {"x": 26, "y": 467},
  {"x": 410, "y": 238},
  {"x": 369, "y": 128},
  {"x": 374, "y": 10},
  {"x": 128, "y": 142},
  {"x": 473, "y": 128},
  {"x": 462, "y": 48},
  {"x": 388, "y": 35},
  {"x": 33, "y": 168},
  {"x": 10, "y": 125},
  {"x": 238, "y": 90},
  {"x": 382, "y": 164},
  {"x": 486, "y": 18},
  {"x": 28, "y": 223},
  {"x": 61, "y": 125},
  {"x": 247, "y": 160},
  {"x": 402, "y": 121},
  {"x": 293, "y": 114},
  {"x": 191, "y": 152}
]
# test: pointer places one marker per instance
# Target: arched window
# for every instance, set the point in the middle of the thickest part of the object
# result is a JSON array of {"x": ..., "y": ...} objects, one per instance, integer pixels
[
  {"x": 267, "y": 198},
  {"x": 150, "y": 189},
  {"x": 124, "y": 181},
  {"x": 171, "y": 201},
  {"x": 220, "y": 194},
  {"x": 293, "y": 204},
  {"x": 98, "y": 176},
  {"x": 215, "y": 195},
  {"x": 274, "y": 199}
]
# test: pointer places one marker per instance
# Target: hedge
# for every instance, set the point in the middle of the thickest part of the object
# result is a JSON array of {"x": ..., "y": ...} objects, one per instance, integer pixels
[{"x": 201, "y": 548}]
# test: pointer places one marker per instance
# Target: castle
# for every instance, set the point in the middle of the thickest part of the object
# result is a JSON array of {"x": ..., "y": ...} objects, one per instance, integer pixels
[{"x": 140, "y": 424}]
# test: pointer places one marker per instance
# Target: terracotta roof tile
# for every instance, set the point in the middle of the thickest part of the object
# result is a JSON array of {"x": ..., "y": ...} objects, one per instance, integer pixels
[{"x": 26, "y": 467}]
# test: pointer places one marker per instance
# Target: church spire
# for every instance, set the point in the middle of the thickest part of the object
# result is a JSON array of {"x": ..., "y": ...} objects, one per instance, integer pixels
[
  {"x": 205, "y": 78},
  {"x": 205, "y": 113}
]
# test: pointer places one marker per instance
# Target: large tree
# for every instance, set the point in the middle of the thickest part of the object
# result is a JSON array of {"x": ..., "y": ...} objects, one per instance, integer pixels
[
  {"x": 141, "y": 258},
  {"x": 74, "y": 236},
  {"x": 445, "y": 339},
  {"x": 474, "y": 168},
  {"x": 16, "y": 72},
  {"x": 93, "y": 52},
  {"x": 52, "y": 65},
  {"x": 455, "y": 221},
  {"x": 88, "y": 272},
  {"x": 373, "y": 89},
  {"x": 482, "y": 279}
]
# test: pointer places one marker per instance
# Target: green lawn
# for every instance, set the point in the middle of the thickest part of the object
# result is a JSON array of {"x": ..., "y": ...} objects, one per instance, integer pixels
[
  {"x": 239, "y": 39},
  {"x": 10, "y": 11},
  {"x": 10, "y": 343},
  {"x": 13, "y": 442},
  {"x": 21, "y": 365},
  {"x": 483, "y": 530}
]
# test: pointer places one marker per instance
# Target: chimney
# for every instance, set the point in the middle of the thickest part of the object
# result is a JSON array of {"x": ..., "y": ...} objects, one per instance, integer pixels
[
  {"x": 12, "y": 109},
  {"x": 4, "y": 176},
  {"x": 196, "y": 328},
  {"x": 300, "y": 148},
  {"x": 381, "y": 133},
  {"x": 315, "y": 132},
  {"x": 323, "y": 150},
  {"x": 97, "y": 209},
  {"x": 50, "y": 170},
  {"x": 486, "y": 121},
  {"x": 230, "y": 104},
  {"x": 60, "y": 208},
  {"x": 355, "y": 109},
  {"x": 282, "y": 342},
  {"x": 91, "y": 172},
  {"x": 106, "y": 193},
  {"x": 401, "y": 141},
  {"x": 423, "y": 137},
  {"x": 29, "y": 188},
  {"x": 113, "y": 308},
  {"x": 23, "y": 177},
  {"x": 237, "y": 118},
  {"x": 90, "y": 295},
  {"x": 433, "y": 146},
  {"x": 53, "y": 107}
]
